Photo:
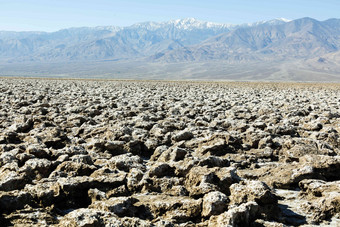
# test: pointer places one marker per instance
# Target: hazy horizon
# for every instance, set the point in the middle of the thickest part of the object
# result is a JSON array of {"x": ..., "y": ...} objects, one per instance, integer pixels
[{"x": 48, "y": 16}]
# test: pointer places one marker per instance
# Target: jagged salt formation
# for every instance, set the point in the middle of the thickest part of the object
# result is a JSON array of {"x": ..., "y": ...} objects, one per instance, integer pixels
[{"x": 115, "y": 153}]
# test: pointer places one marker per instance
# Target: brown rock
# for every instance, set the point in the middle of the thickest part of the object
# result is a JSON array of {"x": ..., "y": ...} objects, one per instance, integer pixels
[
  {"x": 182, "y": 135},
  {"x": 31, "y": 217},
  {"x": 323, "y": 198},
  {"x": 214, "y": 203},
  {"x": 125, "y": 162},
  {"x": 11, "y": 179},
  {"x": 172, "y": 208},
  {"x": 44, "y": 193},
  {"x": 174, "y": 154},
  {"x": 242, "y": 215},
  {"x": 121, "y": 206},
  {"x": 83, "y": 217},
  {"x": 37, "y": 168},
  {"x": 201, "y": 180},
  {"x": 247, "y": 191},
  {"x": 216, "y": 145},
  {"x": 14, "y": 200},
  {"x": 71, "y": 169},
  {"x": 161, "y": 170},
  {"x": 250, "y": 190},
  {"x": 96, "y": 195}
]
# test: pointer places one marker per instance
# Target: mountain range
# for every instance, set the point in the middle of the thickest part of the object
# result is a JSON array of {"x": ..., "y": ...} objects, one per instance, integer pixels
[{"x": 278, "y": 49}]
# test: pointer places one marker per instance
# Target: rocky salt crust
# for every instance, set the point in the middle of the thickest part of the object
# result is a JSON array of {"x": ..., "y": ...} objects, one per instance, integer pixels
[{"x": 127, "y": 153}]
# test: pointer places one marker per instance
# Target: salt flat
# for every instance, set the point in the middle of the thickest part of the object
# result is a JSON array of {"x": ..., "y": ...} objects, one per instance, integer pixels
[{"x": 162, "y": 153}]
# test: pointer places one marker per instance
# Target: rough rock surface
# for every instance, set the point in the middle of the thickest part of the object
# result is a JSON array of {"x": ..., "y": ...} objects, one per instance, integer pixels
[
  {"x": 214, "y": 203},
  {"x": 134, "y": 153}
]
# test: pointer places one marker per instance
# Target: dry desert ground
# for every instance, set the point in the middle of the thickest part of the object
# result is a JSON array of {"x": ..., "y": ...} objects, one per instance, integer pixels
[{"x": 156, "y": 153}]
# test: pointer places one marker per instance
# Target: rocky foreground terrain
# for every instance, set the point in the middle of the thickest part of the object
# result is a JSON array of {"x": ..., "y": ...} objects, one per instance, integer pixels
[{"x": 128, "y": 153}]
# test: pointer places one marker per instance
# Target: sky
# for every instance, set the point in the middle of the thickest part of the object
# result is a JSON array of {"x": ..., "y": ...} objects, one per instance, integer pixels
[{"x": 53, "y": 15}]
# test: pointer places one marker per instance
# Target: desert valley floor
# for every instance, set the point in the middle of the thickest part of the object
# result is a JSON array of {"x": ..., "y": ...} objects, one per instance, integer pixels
[{"x": 154, "y": 153}]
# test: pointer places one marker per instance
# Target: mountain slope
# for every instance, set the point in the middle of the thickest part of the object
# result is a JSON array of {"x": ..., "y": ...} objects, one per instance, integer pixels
[
  {"x": 112, "y": 43},
  {"x": 303, "y": 38},
  {"x": 303, "y": 49},
  {"x": 24, "y": 46},
  {"x": 102, "y": 43}
]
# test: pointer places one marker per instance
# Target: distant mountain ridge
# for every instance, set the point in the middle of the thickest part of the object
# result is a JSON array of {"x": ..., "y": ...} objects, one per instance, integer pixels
[
  {"x": 298, "y": 39},
  {"x": 279, "y": 49},
  {"x": 110, "y": 42}
]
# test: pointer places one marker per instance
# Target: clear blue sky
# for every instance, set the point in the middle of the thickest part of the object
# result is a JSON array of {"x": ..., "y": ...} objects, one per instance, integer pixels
[{"x": 52, "y": 15}]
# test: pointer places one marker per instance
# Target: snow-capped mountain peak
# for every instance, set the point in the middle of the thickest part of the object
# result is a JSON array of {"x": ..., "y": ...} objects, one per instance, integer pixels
[
  {"x": 284, "y": 19},
  {"x": 109, "y": 28},
  {"x": 182, "y": 24},
  {"x": 276, "y": 21},
  {"x": 192, "y": 23}
]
